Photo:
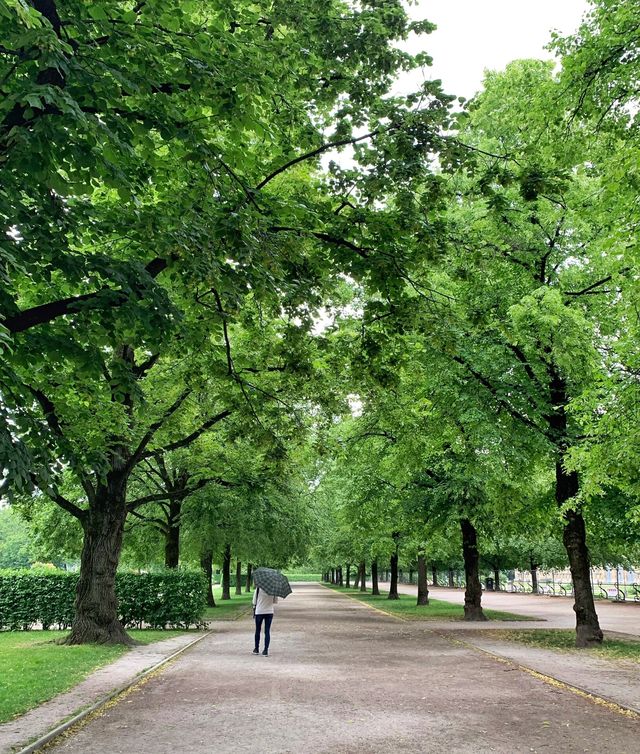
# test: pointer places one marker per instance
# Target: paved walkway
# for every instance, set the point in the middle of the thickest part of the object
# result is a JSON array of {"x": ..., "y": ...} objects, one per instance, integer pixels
[
  {"x": 553, "y": 612},
  {"x": 345, "y": 679}
]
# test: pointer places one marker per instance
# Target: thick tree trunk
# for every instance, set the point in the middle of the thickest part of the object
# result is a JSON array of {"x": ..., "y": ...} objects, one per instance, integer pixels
[
  {"x": 423, "y": 589},
  {"x": 574, "y": 537},
  {"x": 348, "y": 581},
  {"x": 473, "y": 591},
  {"x": 496, "y": 579},
  {"x": 452, "y": 583},
  {"x": 375, "y": 589},
  {"x": 226, "y": 573},
  {"x": 434, "y": 575},
  {"x": 96, "y": 608},
  {"x": 393, "y": 584},
  {"x": 534, "y": 577},
  {"x": 249, "y": 569},
  {"x": 239, "y": 577},
  {"x": 363, "y": 576},
  {"x": 172, "y": 535},
  {"x": 340, "y": 579},
  {"x": 206, "y": 563}
]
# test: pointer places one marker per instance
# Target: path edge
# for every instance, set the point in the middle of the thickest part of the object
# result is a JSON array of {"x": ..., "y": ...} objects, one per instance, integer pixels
[
  {"x": 551, "y": 680},
  {"x": 47, "y": 738}
]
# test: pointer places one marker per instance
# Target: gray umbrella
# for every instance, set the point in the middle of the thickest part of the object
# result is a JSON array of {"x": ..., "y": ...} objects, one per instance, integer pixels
[{"x": 272, "y": 582}]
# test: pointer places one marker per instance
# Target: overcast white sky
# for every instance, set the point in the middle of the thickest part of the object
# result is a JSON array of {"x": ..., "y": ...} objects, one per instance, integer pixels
[{"x": 474, "y": 35}]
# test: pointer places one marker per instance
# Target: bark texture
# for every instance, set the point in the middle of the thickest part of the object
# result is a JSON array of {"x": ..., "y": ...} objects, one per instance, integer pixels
[
  {"x": 363, "y": 576},
  {"x": 206, "y": 563},
  {"x": 375, "y": 589},
  {"x": 393, "y": 584},
  {"x": 172, "y": 535},
  {"x": 96, "y": 607},
  {"x": 574, "y": 535},
  {"x": 239, "y": 577},
  {"x": 348, "y": 579},
  {"x": 423, "y": 589},
  {"x": 226, "y": 573},
  {"x": 473, "y": 592},
  {"x": 249, "y": 569}
]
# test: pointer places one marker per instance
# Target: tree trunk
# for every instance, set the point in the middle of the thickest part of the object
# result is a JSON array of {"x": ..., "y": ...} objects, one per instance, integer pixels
[
  {"x": 333, "y": 575},
  {"x": 363, "y": 576},
  {"x": 452, "y": 583},
  {"x": 348, "y": 581},
  {"x": 574, "y": 537},
  {"x": 206, "y": 563},
  {"x": 239, "y": 577},
  {"x": 226, "y": 573},
  {"x": 434, "y": 575},
  {"x": 423, "y": 589},
  {"x": 356, "y": 579},
  {"x": 393, "y": 584},
  {"x": 534, "y": 577},
  {"x": 96, "y": 607},
  {"x": 473, "y": 591},
  {"x": 249, "y": 569},
  {"x": 374, "y": 577},
  {"x": 496, "y": 579},
  {"x": 340, "y": 579},
  {"x": 172, "y": 535}
]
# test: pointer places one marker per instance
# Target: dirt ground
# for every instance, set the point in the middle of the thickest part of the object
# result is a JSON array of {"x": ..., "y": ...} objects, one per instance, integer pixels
[{"x": 344, "y": 679}]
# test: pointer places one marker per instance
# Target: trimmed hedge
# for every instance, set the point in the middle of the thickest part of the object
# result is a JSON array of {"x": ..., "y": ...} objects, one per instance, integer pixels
[{"x": 168, "y": 599}]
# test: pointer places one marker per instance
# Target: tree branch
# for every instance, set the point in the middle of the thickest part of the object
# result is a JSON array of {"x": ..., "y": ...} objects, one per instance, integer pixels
[
  {"x": 189, "y": 438},
  {"x": 181, "y": 493},
  {"x": 38, "y": 315},
  {"x": 315, "y": 153},
  {"x": 138, "y": 454}
]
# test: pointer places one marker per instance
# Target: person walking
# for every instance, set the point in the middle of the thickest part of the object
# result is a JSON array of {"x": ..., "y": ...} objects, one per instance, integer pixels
[{"x": 263, "y": 612}]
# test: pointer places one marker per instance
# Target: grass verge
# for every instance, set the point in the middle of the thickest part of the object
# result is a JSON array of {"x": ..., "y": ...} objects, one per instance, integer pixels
[
  {"x": 237, "y": 606},
  {"x": 405, "y": 607},
  {"x": 564, "y": 639},
  {"x": 35, "y": 668}
]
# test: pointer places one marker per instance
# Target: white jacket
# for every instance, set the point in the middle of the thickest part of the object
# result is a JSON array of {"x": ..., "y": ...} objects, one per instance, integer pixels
[{"x": 263, "y": 602}]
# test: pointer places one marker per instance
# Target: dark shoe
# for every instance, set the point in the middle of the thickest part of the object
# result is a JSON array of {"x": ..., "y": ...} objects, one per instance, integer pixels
[
  {"x": 256, "y": 651},
  {"x": 265, "y": 653}
]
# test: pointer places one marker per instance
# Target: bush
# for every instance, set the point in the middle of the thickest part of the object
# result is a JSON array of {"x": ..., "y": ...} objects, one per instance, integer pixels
[{"x": 169, "y": 599}]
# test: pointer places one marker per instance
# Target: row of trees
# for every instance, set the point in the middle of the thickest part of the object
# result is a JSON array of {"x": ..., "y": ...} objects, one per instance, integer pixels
[
  {"x": 498, "y": 386},
  {"x": 190, "y": 301}
]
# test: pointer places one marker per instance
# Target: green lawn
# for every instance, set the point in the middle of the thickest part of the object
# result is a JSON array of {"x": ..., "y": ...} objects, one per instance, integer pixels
[
  {"x": 35, "y": 668},
  {"x": 406, "y": 607},
  {"x": 236, "y": 607},
  {"x": 565, "y": 640}
]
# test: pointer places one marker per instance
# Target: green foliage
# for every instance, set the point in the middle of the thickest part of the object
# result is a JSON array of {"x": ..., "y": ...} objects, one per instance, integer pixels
[
  {"x": 16, "y": 545},
  {"x": 171, "y": 599},
  {"x": 158, "y": 600}
]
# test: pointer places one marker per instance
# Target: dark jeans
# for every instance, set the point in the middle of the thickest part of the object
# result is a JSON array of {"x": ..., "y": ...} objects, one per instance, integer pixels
[{"x": 267, "y": 629}]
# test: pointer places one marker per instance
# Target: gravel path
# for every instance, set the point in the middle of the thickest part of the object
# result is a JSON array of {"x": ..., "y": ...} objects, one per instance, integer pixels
[{"x": 345, "y": 679}]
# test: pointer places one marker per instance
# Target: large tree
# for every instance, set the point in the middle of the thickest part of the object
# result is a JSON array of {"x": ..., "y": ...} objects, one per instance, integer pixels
[{"x": 158, "y": 165}]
